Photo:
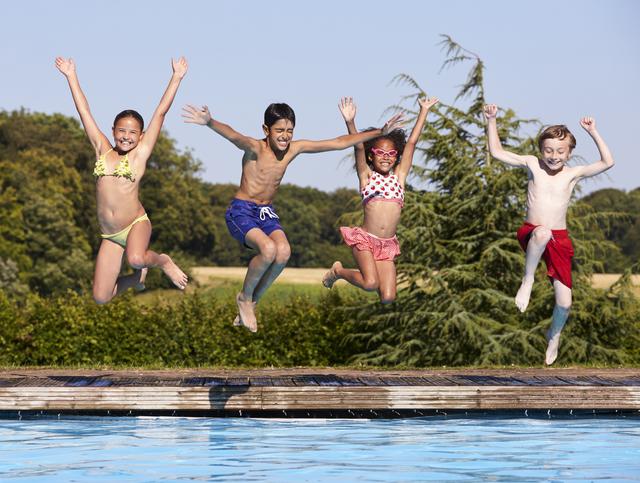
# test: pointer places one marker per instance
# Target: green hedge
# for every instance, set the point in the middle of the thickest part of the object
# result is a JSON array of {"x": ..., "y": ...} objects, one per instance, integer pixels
[{"x": 72, "y": 330}]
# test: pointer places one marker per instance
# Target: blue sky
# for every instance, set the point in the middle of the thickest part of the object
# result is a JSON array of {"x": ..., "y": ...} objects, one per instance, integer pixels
[{"x": 551, "y": 60}]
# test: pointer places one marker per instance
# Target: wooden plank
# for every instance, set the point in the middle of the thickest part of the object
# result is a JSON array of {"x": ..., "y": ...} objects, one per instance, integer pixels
[
  {"x": 213, "y": 381},
  {"x": 322, "y": 391},
  {"x": 306, "y": 380},
  {"x": 321, "y": 397},
  {"x": 280, "y": 381},
  {"x": 349, "y": 381},
  {"x": 237, "y": 381},
  {"x": 260, "y": 381},
  {"x": 371, "y": 381},
  {"x": 326, "y": 380}
]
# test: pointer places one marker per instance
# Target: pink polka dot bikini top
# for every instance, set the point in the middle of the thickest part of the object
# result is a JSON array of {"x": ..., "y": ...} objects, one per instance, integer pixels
[{"x": 382, "y": 188}]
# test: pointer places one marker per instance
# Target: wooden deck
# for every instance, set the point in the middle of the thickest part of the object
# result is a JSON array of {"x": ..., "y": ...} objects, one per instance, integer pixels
[{"x": 319, "y": 392}]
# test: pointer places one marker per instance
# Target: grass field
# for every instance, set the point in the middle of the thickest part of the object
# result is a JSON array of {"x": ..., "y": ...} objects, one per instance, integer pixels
[
  {"x": 213, "y": 275},
  {"x": 227, "y": 281}
]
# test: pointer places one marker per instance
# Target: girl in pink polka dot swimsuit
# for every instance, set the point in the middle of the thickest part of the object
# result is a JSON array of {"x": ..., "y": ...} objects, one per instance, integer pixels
[{"x": 383, "y": 165}]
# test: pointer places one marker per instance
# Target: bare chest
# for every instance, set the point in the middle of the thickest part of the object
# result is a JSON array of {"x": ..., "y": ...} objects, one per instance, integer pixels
[{"x": 557, "y": 187}]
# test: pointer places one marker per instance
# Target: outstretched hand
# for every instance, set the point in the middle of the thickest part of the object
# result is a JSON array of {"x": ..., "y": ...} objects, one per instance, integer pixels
[
  {"x": 490, "y": 111},
  {"x": 394, "y": 123},
  {"x": 66, "y": 66},
  {"x": 428, "y": 102},
  {"x": 193, "y": 115},
  {"x": 588, "y": 124},
  {"x": 347, "y": 108},
  {"x": 180, "y": 67}
]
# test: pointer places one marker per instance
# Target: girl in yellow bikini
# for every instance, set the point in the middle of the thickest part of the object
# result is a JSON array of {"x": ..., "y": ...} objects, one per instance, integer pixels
[{"x": 125, "y": 226}]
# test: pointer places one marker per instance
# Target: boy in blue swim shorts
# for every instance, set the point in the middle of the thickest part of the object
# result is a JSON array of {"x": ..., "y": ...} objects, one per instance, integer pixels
[
  {"x": 242, "y": 216},
  {"x": 250, "y": 217}
]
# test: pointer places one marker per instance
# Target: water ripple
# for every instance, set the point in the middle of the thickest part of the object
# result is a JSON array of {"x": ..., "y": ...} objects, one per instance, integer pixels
[{"x": 430, "y": 449}]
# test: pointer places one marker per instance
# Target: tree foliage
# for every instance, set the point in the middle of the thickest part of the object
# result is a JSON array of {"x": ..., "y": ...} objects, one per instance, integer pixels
[
  {"x": 49, "y": 233},
  {"x": 621, "y": 227},
  {"x": 461, "y": 264}
]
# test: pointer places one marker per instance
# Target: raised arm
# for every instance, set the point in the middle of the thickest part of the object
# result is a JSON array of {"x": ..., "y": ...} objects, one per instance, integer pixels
[
  {"x": 98, "y": 140},
  {"x": 495, "y": 146},
  {"x": 403, "y": 168},
  {"x": 148, "y": 141},
  {"x": 606, "y": 161},
  {"x": 202, "y": 116},
  {"x": 348, "y": 140},
  {"x": 348, "y": 111}
]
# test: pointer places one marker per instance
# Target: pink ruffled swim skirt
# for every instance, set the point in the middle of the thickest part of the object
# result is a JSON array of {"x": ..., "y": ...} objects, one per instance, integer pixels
[{"x": 381, "y": 248}]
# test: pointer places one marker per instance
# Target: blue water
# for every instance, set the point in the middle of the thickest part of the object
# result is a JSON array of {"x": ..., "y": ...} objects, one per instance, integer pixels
[{"x": 178, "y": 449}]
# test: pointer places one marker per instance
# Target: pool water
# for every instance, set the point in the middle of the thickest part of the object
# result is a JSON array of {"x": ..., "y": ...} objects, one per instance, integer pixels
[{"x": 340, "y": 450}]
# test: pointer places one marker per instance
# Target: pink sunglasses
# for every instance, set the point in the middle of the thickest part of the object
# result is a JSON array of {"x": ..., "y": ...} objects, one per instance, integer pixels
[{"x": 382, "y": 153}]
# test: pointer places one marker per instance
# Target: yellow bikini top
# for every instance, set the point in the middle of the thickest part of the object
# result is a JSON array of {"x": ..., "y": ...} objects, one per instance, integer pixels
[{"x": 123, "y": 170}]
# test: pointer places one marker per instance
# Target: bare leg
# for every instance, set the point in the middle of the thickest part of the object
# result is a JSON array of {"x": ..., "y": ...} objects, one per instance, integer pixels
[
  {"x": 258, "y": 266},
  {"x": 140, "y": 257},
  {"x": 105, "y": 278},
  {"x": 366, "y": 277},
  {"x": 283, "y": 252},
  {"x": 387, "y": 277},
  {"x": 560, "y": 315},
  {"x": 537, "y": 243}
]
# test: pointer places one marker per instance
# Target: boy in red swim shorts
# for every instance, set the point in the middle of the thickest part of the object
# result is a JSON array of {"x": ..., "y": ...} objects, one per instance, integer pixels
[{"x": 544, "y": 233}]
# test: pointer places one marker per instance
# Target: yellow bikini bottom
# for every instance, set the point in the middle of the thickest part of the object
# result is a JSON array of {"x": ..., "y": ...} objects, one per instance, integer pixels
[{"x": 121, "y": 237}]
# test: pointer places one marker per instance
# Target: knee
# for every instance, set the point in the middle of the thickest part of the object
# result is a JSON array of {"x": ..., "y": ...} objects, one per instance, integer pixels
[
  {"x": 136, "y": 260},
  {"x": 268, "y": 251},
  {"x": 541, "y": 235},
  {"x": 387, "y": 297},
  {"x": 283, "y": 253},
  {"x": 564, "y": 305},
  {"x": 101, "y": 297},
  {"x": 370, "y": 284}
]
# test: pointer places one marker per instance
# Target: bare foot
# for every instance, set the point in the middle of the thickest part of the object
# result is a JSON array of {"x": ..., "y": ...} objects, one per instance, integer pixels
[
  {"x": 524, "y": 292},
  {"x": 139, "y": 287},
  {"x": 247, "y": 315},
  {"x": 237, "y": 322},
  {"x": 172, "y": 271},
  {"x": 552, "y": 347},
  {"x": 331, "y": 276}
]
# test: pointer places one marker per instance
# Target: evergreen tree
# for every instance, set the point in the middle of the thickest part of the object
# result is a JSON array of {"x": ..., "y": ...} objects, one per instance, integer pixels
[{"x": 461, "y": 264}]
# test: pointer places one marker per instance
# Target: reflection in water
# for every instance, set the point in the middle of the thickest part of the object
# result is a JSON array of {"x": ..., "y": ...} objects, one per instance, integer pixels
[{"x": 152, "y": 449}]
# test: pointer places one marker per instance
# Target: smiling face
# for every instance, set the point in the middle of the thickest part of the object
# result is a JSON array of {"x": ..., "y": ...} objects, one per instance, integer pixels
[
  {"x": 383, "y": 156},
  {"x": 555, "y": 153},
  {"x": 279, "y": 135},
  {"x": 126, "y": 134}
]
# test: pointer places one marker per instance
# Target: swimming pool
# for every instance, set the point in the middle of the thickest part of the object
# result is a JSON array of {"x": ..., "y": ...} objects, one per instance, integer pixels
[{"x": 234, "y": 449}]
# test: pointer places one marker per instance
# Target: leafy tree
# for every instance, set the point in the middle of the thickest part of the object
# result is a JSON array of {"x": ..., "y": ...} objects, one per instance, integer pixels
[
  {"x": 622, "y": 227},
  {"x": 462, "y": 265}
]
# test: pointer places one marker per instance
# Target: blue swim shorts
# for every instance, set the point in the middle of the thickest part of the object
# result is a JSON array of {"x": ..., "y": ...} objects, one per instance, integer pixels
[{"x": 242, "y": 216}]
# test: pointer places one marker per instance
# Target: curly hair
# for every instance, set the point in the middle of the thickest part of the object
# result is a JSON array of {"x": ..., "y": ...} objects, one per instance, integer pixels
[{"x": 398, "y": 137}]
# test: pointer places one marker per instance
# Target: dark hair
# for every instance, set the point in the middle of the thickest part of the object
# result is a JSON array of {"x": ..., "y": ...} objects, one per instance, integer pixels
[
  {"x": 559, "y": 131},
  {"x": 398, "y": 137},
  {"x": 277, "y": 111},
  {"x": 130, "y": 113}
]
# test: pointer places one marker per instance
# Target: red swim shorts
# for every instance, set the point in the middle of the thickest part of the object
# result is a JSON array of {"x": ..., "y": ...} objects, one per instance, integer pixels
[
  {"x": 557, "y": 254},
  {"x": 381, "y": 248}
]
